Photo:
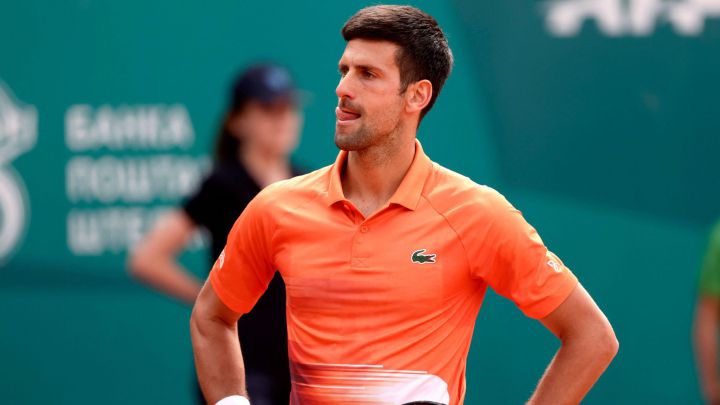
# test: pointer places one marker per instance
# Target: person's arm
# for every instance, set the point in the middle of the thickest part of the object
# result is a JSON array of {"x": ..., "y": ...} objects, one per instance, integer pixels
[
  {"x": 707, "y": 321},
  {"x": 154, "y": 260},
  {"x": 588, "y": 347},
  {"x": 218, "y": 359}
]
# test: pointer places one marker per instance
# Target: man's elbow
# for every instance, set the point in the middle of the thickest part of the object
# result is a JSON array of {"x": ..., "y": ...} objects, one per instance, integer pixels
[
  {"x": 597, "y": 340},
  {"x": 608, "y": 344}
]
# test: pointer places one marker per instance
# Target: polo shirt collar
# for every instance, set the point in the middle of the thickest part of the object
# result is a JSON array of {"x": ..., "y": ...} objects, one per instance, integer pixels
[{"x": 407, "y": 194}]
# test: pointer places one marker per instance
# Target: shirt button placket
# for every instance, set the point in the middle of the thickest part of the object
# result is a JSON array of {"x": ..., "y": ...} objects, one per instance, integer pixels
[{"x": 361, "y": 247}]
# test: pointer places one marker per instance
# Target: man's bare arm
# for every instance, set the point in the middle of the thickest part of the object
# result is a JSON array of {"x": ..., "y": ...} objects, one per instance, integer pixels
[
  {"x": 707, "y": 320},
  {"x": 588, "y": 347},
  {"x": 218, "y": 359}
]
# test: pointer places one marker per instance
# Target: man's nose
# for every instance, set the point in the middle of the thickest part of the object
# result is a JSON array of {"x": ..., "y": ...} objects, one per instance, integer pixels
[{"x": 344, "y": 87}]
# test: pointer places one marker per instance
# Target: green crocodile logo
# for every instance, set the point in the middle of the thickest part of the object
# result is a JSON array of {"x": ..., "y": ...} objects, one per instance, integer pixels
[{"x": 419, "y": 257}]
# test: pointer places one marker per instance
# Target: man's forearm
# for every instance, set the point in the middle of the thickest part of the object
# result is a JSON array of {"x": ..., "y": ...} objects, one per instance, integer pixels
[
  {"x": 218, "y": 358},
  {"x": 574, "y": 370}
]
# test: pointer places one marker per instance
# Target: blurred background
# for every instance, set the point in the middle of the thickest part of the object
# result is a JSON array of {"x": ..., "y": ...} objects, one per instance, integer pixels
[{"x": 599, "y": 119}]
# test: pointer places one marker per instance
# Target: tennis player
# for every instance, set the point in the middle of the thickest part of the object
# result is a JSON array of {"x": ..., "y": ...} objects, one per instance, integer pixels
[{"x": 387, "y": 256}]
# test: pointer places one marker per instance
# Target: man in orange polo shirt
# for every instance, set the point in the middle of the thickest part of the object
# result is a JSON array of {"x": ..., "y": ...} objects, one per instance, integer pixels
[{"x": 386, "y": 256}]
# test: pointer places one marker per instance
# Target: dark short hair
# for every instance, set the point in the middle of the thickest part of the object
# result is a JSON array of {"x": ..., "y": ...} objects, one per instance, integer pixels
[{"x": 424, "y": 51}]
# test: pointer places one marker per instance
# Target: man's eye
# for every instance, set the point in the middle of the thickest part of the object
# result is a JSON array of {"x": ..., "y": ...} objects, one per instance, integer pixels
[{"x": 368, "y": 75}]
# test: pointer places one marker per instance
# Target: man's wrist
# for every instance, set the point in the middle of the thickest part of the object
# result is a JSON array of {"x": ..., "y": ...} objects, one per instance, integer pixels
[{"x": 233, "y": 400}]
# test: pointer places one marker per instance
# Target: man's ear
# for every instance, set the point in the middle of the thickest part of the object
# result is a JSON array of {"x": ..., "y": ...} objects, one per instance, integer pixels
[{"x": 418, "y": 95}]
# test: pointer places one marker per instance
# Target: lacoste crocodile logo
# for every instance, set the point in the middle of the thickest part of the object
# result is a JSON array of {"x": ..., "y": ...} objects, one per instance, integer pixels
[{"x": 419, "y": 257}]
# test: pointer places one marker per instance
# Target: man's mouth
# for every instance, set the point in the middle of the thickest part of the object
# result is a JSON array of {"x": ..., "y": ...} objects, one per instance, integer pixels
[{"x": 344, "y": 115}]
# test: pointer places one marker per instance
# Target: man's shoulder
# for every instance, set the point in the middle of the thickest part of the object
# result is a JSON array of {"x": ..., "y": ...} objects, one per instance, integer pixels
[
  {"x": 295, "y": 191},
  {"x": 451, "y": 193}
]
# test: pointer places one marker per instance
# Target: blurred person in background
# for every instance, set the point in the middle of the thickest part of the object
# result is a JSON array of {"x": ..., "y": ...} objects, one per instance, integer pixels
[
  {"x": 258, "y": 133},
  {"x": 707, "y": 321}
]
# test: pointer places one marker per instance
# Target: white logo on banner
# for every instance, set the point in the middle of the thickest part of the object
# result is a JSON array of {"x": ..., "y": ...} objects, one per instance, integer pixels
[
  {"x": 564, "y": 18},
  {"x": 18, "y": 134}
]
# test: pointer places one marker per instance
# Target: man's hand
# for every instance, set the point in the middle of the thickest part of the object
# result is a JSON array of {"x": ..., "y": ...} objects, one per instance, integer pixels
[
  {"x": 218, "y": 360},
  {"x": 588, "y": 347}
]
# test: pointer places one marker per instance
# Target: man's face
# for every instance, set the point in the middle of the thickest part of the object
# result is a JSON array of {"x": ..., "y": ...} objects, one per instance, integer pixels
[{"x": 369, "y": 101}]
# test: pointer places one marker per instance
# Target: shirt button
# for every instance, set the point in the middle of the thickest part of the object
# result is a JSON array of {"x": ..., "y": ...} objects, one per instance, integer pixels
[{"x": 364, "y": 229}]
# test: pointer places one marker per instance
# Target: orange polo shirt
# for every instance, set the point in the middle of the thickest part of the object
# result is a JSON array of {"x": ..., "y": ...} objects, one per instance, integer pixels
[{"x": 381, "y": 310}]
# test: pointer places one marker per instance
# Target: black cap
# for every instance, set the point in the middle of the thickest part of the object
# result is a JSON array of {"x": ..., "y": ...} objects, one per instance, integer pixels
[{"x": 265, "y": 83}]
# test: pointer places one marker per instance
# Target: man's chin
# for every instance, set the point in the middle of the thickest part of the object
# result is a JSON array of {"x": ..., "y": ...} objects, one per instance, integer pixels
[
  {"x": 343, "y": 145},
  {"x": 345, "y": 141}
]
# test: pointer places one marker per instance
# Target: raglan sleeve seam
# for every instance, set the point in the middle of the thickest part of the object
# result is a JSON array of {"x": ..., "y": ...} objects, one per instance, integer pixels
[{"x": 457, "y": 234}]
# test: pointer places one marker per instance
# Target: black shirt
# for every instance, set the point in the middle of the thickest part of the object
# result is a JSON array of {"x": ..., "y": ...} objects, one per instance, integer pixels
[{"x": 222, "y": 197}]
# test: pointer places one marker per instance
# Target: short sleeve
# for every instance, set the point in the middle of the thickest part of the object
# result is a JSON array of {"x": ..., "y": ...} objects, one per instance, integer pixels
[
  {"x": 507, "y": 253},
  {"x": 243, "y": 270},
  {"x": 710, "y": 271}
]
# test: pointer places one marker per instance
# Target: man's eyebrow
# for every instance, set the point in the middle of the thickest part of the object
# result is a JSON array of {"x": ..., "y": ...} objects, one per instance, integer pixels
[
  {"x": 343, "y": 65},
  {"x": 370, "y": 67}
]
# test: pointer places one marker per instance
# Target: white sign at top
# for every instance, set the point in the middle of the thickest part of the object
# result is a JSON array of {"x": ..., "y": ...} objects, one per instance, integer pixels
[{"x": 617, "y": 18}]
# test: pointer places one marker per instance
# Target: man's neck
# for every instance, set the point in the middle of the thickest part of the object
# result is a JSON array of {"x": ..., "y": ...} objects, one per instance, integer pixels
[{"x": 371, "y": 176}]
